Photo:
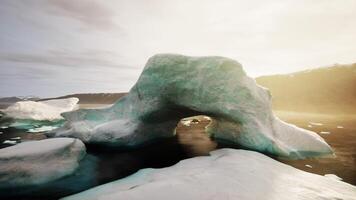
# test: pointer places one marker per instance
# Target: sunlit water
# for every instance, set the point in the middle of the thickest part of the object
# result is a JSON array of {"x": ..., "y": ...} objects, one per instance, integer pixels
[{"x": 111, "y": 164}]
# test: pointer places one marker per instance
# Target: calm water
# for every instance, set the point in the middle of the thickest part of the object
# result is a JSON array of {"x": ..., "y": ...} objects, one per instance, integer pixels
[{"x": 105, "y": 165}]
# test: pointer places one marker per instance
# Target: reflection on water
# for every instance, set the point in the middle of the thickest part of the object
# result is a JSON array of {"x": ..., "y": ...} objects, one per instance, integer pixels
[{"x": 105, "y": 165}]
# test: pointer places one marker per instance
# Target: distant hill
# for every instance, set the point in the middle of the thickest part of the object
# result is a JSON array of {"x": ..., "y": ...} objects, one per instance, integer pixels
[
  {"x": 94, "y": 98},
  {"x": 6, "y": 101},
  {"x": 322, "y": 90}
]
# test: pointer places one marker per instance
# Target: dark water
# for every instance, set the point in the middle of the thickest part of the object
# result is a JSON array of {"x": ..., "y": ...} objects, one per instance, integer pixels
[{"x": 103, "y": 165}]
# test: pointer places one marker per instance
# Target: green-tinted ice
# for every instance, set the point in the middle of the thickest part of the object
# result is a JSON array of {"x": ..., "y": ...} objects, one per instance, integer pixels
[{"x": 172, "y": 87}]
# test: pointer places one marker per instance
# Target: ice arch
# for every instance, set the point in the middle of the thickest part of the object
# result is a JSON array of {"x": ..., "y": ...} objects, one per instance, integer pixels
[{"x": 172, "y": 87}]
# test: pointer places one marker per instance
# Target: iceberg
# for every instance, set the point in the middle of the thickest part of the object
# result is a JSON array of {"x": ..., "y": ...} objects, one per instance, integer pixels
[
  {"x": 172, "y": 87},
  {"x": 225, "y": 174},
  {"x": 37, "y": 163},
  {"x": 49, "y": 110}
]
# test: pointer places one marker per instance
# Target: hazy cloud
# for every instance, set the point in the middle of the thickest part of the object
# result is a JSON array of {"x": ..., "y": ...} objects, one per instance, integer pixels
[
  {"x": 68, "y": 44},
  {"x": 94, "y": 14},
  {"x": 65, "y": 59}
]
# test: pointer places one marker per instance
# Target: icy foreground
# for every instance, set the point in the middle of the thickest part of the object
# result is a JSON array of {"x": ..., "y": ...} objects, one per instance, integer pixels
[
  {"x": 172, "y": 87},
  {"x": 226, "y": 174},
  {"x": 39, "y": 162},
  {"x": 41, "y": 110}
]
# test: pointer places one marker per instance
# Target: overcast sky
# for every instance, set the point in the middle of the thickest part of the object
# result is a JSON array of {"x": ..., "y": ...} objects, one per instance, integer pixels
[{"x": 56, "y": 47}]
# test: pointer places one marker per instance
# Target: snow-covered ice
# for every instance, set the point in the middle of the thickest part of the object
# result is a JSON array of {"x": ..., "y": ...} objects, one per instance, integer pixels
[
  {"x": 333, "y": 176},
  {"x": 41, "y": 110},
  {"x": 39, "y": 162},
  {"x": 226, "y": 174}
]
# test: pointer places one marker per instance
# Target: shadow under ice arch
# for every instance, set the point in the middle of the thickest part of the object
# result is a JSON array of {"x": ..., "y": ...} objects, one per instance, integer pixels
[{"x": 172, "y": 87}]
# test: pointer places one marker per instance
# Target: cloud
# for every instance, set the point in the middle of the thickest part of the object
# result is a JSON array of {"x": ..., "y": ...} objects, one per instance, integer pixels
[
  {"x": 91, "y": 13},
  {"x": 65, "y": 59}
]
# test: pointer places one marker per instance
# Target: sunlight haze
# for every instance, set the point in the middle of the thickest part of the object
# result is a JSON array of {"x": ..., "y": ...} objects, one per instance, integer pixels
[{"x": 51, "y": 48}]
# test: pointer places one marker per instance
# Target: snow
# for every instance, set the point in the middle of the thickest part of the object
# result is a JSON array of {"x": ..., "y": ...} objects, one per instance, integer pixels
[
  {"x": 41, "y": 110},
  {"x": 39, "y": 162},
  {"x": 333, "y": 176},
  {"x": 173, "y": 87},
  {"x": 226, "y": 174}
]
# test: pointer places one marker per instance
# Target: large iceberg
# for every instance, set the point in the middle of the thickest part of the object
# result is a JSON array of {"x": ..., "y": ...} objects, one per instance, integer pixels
[
  {"x": 226, "y": 174},
  {"x": 41, "y": 110},
  {"x": 37, "y": 163},
  {"x": 172, "y": 87}
]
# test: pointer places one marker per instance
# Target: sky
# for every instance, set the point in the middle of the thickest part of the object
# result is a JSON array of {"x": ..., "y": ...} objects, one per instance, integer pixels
[{"x": 56, "y": 47}]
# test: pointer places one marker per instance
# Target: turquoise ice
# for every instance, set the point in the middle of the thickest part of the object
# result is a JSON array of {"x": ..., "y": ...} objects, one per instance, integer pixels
[{"x": 172, "y": 87}]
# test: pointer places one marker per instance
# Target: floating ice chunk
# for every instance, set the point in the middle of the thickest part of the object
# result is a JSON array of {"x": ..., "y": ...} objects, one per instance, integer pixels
[
  {"x": 325, "y": 132},
  {"x": 172, "y": 87},
  {"x": 12, "y": 142},
  {"x": 316, "y": 123},
  {"x": 1, "y": 132},
  {"x": 339, "y": 127},
  {"x": 186, "y": 122},
  {"x": 309, "y": 166},
  {"x": 16, "y": 138},
  {"x": 226, "y": 174},
  {"x": 333, "y": 176},
  {"x": 310, "y": 126},
  {"x": 41, "y": 110},
  {"x": 4, "y": 127},
  {"x": 39, "y": 162},
  {"x": 42, "y": 129}
]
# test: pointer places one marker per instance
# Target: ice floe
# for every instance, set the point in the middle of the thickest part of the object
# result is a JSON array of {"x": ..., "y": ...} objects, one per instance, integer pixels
[
  {"x": 316, "y": 123},
  {"x": 226, "y": 174},
  {"x": 41, "y": 110},
  {"x": 42, "y": 129},
  {"x": 39, "y": 162}
]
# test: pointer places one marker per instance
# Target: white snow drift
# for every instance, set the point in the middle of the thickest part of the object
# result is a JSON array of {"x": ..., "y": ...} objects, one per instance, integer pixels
[
  {"x": 226, "y": 174},
  {"x": 39, "y": 162},
  {"x": 41, "y": 110}
]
